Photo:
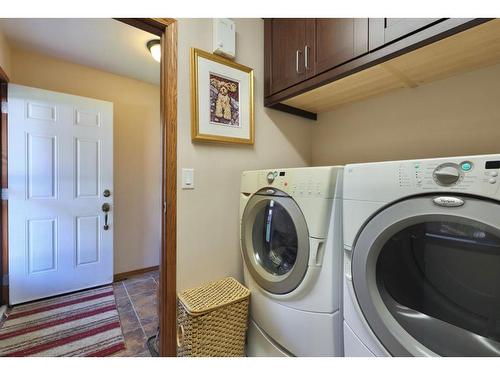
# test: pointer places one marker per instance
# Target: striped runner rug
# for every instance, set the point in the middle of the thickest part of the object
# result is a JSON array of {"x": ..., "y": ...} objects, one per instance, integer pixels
[{"x": 84, "y": 324}]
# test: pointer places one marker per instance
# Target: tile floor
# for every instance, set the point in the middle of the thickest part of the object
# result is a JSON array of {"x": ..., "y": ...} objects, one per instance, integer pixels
[{"x": 136, "y": 299}]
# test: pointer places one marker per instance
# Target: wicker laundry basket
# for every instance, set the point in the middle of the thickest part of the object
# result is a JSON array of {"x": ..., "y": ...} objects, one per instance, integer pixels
[{"x": 212, "y": 320}]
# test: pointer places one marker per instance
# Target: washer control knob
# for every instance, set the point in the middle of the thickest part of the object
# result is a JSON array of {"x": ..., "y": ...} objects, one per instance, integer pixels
[
  {"x": 270, "y": 177},
  {"x": 493, "y": 173},
  {"x": 447, "y": 174},
  {"x": 492, "y": 180}
]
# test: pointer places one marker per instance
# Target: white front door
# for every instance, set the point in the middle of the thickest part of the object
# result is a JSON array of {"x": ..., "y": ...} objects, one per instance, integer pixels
[{"x": 60, "y": 165}]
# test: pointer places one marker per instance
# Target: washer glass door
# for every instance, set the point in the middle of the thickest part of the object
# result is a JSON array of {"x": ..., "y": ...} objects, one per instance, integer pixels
[
  {"x": 275, "y": 241},
  {"x": 438, "y": 276},
  {"x": 275, "y": 238}
]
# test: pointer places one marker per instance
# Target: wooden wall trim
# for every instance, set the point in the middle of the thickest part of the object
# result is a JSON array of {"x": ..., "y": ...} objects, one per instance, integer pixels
[
  {"x": 154, "y": 26},
  {"x": 168, "y": 257},
  {"x": 167, "y": 29},
  {"x": 3, "y": 76},
  {"x": 125, "y": 275},
  {"x": 4, "y": 217}
]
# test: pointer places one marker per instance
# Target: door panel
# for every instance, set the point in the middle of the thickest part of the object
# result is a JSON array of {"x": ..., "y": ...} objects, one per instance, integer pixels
[
  {"x": 41, "y": 239},
  {"x": 386, "y": 30},
  {"x": 41, "y": 162},
  {"x": 87, "y": 239},
  {"x": 287, "y": 51},
  {"x": 396, "y": 28},
  {"x": 88, "y": 160},
  {"x": 60, "y": 161},
  {"x": 339, "y": 40}
]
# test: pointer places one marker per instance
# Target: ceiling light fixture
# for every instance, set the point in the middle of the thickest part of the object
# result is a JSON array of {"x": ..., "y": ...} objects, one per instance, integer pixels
[{"x": 155, "y": 48}]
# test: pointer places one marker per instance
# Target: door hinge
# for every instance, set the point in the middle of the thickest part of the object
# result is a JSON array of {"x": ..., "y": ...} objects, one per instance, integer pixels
[
  {"x": 5, "y": 107},
  {"x": 5, "y": 194}
]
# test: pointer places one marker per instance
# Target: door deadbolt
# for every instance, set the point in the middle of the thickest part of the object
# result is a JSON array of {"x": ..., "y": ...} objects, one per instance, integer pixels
[{"x": 106, "y": 193}]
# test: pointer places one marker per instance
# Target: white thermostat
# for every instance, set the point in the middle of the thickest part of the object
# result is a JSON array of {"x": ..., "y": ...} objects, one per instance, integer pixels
[{"x": 224, "y": 37}]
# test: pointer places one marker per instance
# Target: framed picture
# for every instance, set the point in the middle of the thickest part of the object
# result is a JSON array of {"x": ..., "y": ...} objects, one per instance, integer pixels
[{"x": 222, "y": 104}]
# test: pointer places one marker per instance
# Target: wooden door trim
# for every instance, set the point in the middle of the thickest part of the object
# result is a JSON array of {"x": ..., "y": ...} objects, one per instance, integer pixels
[
  {"x": 166, "y": 28},
  {"x": 4, "y": 217}
]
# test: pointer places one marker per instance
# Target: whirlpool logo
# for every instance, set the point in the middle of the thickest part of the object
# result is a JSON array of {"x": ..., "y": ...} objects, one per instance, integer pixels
[{"x": 448, "y": 201}]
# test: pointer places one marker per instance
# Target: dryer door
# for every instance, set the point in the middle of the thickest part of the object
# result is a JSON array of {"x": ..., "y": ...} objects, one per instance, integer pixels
[
  {"x": 427, "y": 276},
  {"x": 275, "y": 241}
]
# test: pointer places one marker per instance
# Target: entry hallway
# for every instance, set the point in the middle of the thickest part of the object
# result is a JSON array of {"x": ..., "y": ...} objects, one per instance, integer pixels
[{"x": 109, "y": 320}]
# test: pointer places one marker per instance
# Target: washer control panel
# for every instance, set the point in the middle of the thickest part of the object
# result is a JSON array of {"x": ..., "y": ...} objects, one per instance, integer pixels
[{"x": 312, "y": 182}]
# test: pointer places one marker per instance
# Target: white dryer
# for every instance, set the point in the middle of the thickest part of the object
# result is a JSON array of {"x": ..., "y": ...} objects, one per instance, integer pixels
[
  {"x": 422, "y": 257},
  {"x": 292, "y": 252}
]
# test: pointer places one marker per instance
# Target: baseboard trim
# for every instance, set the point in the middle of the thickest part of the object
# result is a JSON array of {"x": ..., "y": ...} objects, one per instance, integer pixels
[{"x": 125, "y": 275}]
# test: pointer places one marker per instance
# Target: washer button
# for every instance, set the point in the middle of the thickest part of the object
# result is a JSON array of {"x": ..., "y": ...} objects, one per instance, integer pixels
[
  {"x": 492, "y": 180},
  {"x": 493, "y": 173}
]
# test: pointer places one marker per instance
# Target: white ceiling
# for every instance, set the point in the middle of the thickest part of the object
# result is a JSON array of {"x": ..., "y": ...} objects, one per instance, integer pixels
[{"x": 101, "y": 43}]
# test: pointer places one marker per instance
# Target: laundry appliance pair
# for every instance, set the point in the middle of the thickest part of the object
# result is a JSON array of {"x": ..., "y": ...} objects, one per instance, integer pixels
[{"x": 397, "y": 258}]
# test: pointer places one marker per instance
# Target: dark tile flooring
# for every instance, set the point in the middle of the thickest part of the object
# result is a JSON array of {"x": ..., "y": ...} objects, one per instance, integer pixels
[{"x": 137, "y": 303}]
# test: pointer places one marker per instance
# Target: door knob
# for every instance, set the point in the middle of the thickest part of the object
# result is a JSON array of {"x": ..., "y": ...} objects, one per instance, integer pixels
[{"x": 106, "y": 208}]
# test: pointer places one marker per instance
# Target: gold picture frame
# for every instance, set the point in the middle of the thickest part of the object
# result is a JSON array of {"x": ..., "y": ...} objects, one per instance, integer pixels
[{"x": 226, "y": 99}]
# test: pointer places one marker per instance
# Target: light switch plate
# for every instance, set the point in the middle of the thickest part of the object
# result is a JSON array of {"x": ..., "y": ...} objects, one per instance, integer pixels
[{"x": 187, "y": 178}]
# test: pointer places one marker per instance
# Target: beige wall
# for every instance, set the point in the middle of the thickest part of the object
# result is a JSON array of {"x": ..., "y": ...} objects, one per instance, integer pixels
[
  {"x": 456, "y": 116},
  {"x": 5, "y": 58},
  {"x": 137, "y": 171},
  {"x": 208, "y": 239}
]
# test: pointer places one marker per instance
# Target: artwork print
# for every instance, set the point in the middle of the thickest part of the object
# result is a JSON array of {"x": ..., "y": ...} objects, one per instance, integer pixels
[{"x": 224, "y": 101}]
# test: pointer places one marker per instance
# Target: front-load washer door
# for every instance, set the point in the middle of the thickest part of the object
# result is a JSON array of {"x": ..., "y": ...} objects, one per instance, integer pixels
[
  {"x": 426, "y": 274},
  {"x": 275, "y": 241}
]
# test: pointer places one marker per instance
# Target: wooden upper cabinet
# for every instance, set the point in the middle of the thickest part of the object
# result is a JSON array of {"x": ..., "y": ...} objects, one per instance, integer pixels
[
  {"x": 303, "y": 55},
  {"x": 297, "y": 49},
  {"x": 339, "y": 40},
  {"x": 289, "y": 46},
  {"x": 386, "y": 30}
]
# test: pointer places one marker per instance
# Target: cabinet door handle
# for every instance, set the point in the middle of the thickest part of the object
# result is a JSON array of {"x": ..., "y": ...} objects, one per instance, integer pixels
[
  {"x": 297, "y": 61},
  {"x": 306, "y": 57}
]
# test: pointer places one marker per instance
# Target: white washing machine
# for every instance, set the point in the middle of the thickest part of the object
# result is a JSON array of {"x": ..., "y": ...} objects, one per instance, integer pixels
[
  {"x": 422, "y": 257},
  {"x": 292, "y": 252}
]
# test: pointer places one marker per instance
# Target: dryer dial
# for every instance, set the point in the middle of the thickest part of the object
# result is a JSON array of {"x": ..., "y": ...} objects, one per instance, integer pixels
[
  {"x": 447, "y": 174},
  {"x": 270, "y": 177}
]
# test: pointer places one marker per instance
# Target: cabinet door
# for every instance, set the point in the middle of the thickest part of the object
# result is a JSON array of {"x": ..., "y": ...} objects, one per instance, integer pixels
[
  {"x": 339, "y": 40},
  {"x": 387, "y": 30},
  {"x": 288, "y": 41}
]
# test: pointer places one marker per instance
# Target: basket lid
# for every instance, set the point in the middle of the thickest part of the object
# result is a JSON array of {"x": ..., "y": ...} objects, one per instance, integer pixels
[{"x": 213, "y": 295}]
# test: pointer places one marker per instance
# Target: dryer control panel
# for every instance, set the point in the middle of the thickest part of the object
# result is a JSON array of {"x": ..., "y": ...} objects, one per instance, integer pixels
[
  {"x": 387, "y": 181},
  {"x": 464, "y": 175}
]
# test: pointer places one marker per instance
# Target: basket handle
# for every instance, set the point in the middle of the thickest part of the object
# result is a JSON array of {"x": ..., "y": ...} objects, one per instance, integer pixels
[{"x": 180, "y": 335}]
